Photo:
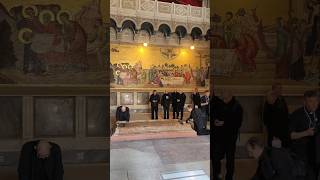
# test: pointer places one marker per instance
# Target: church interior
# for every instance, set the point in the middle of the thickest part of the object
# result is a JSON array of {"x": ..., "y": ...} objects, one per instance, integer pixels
[{"x": 67, "y": 66}]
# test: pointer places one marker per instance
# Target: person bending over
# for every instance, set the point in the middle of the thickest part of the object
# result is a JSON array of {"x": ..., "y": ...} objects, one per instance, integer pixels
[
  {"x": 40, "y": 160},
  {"x": 199, "y": 119}
]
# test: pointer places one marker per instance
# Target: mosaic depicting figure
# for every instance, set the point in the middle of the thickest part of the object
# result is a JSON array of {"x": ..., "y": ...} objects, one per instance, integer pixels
[
  {"x": 50, "y": 44},
  {"x": 291, "y": 44},
  {"x": 165, "y": 75}
]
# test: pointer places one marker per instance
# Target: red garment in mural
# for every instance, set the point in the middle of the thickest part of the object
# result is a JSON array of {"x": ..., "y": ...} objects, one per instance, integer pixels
[
  {"x": 191, "y": 2},
  {"x": 247, "y": 49}
]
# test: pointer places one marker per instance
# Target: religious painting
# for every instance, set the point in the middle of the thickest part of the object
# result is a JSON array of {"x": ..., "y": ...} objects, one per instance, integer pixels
[
  {"x": 135, "y": 66},
  {"x": 52, "y": 43},
  {"x": 250, "y": 44}
]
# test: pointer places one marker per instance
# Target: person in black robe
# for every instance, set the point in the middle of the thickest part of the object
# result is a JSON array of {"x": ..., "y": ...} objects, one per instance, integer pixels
[
  {"x": 181, "y": 102},
  {"x": 273, "y": 163},
  {"x": 165, "y": 103},
  {"x": 199, "y": 119},
  {"x": 275, "y": 117},
  {"x": 175, "y": 97},
  {"x": 40, "y": 160},
  {"x": 205, "y": 102},
  {"x": 196, "y": 99},
  {"x": 304, "y": 132},
  {"x": 227, "y": 116},
  {"x": 154, "y": 100},
  {"x": 123, "y": 114}
]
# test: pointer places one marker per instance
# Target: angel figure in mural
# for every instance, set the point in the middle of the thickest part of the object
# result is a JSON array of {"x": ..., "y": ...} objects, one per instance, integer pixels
[
  {"x": 90, "y": 18},
  {"x": 75, "y": 42},
  {"x": 48, "y": 43},
  {"x": 244, "y": 43},
  {"x": 215, "y": 34},
  {"x": 295, "y": 51},
  {"x": 227, "y": 29},
  {"x": 31, "y": 63},
  {"x": 281, "y": 51}
]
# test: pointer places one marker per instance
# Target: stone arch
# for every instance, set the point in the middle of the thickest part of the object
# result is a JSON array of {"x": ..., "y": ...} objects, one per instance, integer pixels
[
  {"x": 128, "y": 19},
  {"x": 196, "y": 33},
  {"x": 147, "y": 26},
  {"x": 165, "y": 29}
]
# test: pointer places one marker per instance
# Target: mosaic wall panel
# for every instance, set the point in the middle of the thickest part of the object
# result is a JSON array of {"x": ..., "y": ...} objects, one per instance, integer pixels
[
  {"x": 126, "y": 98},
  {"x": 10, "y": 117},
  {"x": 142, "y": 98},
  {"x": 54, "y": 116},
  {"x": 97, "y": 117},
  {"x": 113, "y": 99}
]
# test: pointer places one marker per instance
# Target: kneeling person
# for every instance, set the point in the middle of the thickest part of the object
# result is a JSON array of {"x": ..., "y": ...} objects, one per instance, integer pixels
[
  {"x": 199, "y": 118},
  {"x": 123, "y": 113}
]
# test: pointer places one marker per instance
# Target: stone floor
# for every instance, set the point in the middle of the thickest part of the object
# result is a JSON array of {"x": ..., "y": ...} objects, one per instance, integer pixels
[{"x": 148, "y": 159}]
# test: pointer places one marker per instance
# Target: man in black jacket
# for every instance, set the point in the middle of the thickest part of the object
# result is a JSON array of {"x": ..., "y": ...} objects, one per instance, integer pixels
[
  {"x": 274, "y": 163},
  {"x": 123, "y": 114},
  {"x": 304, "y": 132},
  {"x": 196, "y": 99},
  {"x": 275, "y": 116},
  {"x": 175, "y": 96},
  {"x": 40, "y": 160},
  {"x": 227, "y": 116},
  {"x": 205, "y": 102},
  {"x": 181, "y": 102},
  {"x": 165, "y": 103},
  {"x": 154, "y": 100}
]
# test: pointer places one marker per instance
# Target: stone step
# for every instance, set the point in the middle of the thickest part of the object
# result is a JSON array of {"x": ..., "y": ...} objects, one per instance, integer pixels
[
  {"x": 153, "y": 127},
  {"x": 134, "y": 116},
  {"x": 263, "y": 74}
]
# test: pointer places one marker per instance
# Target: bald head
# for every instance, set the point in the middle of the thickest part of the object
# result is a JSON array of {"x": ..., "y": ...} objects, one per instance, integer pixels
[
  {"x": 227, "y": 95},
  {"x": 43, "y": 149}
]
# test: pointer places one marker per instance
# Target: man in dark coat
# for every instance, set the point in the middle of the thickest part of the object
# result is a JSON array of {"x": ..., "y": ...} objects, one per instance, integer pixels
[
  {"x": 123, "y": 113},
  {"x": 273, "y": 163},
  {"x": 227, "y": 116},
  {"x": 40, "y": 160},
  {"x": 205, "y": 102},
  {"x": 175, "y": 96},
  {"x": 304, "y": 133},
  {"x": 154, "y": 100},
  {"x": 196, "y": 99},
  {"x": 275, "y": 116},
  {"x": 181, "y": 102},
  {"x": 165, "y": 103},
  {"x": 199, "y": 119}
]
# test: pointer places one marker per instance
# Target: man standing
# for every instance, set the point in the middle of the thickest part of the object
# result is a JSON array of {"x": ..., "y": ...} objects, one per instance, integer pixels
[
  {"x": 275, "y": 117},
  {"x": 304, "y": 131},
  {"x": 205, "y": 100},
  {"x": 154, "y": 100},
  {"x": 227, "y": 116},
  {"x": 196, "y": 99},
  {"x": 165, "y": 103},
  {"x": 40, "y": 160},
  {"x": 175, "y": 97},
  {"x": 181, "y": 103}
]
